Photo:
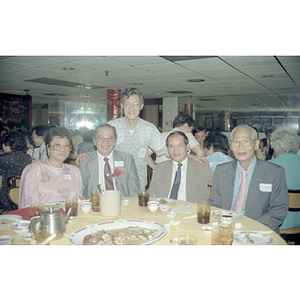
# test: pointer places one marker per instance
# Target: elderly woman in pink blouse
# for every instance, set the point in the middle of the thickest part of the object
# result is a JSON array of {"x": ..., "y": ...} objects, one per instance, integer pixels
[{"x": 51, "y": 180}]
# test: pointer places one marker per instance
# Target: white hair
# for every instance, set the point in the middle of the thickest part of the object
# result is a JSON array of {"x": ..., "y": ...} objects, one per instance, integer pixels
[
  {"x": 284, "y": 140},
  {"x": 242, "y": 126}
]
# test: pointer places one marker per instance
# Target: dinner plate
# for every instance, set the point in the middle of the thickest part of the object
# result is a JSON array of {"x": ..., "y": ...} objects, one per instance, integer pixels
[
  {"x": 8, "y": 219},
  {"x": 76, "y": 237},
  {"x": 253, "y": 238},
  {"x": 235, "y": 215},
  {"x": 170, "y": 201}
]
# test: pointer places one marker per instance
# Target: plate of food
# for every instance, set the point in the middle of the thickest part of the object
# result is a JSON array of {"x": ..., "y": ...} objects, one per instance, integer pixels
[
  {"x": 235, "y": 214},
  {"x": 117, "y": 232},
  {"x": 166, "y": 201},
  {"x": 54, "y": 205},
  {"x": 253, "y": 238},
  {"x": 9, "y": 219}
]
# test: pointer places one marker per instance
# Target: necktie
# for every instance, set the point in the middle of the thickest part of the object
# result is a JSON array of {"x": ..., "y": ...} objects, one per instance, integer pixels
[
  {"x": 109, "y": 185},
  {"x": 240, "y": 197},
  {"x": 176, "y": 184}
]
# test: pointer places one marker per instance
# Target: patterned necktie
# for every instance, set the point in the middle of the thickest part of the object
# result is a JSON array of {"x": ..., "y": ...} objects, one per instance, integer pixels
[
  {"x": 240, "y": 197},
  {"x": 109, "y": 185},
  {"x": 176, "y": 184}
]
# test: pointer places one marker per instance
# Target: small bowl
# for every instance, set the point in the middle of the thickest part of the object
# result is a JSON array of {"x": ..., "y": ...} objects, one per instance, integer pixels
[
  {"x": 6, "y": 240},
  {"x": 164, "y": 207},
  {"x": 26, "y": 236},
  {"x": 153, "y": 206},
  {"x": 207, "y": 229},
  {"x": 171, "y": 214},
  {"x": 86, "y": 206},
  {"x": 20, "y": 227},
  {"x": 125, "y": 201}
]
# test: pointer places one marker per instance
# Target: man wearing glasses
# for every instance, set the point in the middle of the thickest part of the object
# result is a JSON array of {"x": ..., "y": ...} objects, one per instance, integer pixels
[
  {"x": 114, "y": 170},
  {"x": 248, "y": 185},
  {"x": 135, "y": 135}
]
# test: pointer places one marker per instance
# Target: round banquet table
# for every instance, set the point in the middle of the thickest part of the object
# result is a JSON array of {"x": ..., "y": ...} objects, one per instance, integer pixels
[{"x": 132, "y": 211}]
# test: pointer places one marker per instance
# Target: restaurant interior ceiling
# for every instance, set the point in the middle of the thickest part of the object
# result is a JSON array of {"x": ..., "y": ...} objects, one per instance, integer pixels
[{"x": 240, "y": 84}]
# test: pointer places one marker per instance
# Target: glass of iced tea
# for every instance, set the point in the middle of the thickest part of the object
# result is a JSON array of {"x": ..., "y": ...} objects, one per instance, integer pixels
[
  {"x": 143, "y": 197},
  {"x": 94, "y": 197},
  {"x": 36, "y": 208},
  {"x": 203, "y": 212},
  {"x": 72, "y": 203}
]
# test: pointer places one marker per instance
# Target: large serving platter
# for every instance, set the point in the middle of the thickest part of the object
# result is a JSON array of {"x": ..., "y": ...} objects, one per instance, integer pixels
[{"x": 76, "y": 237}]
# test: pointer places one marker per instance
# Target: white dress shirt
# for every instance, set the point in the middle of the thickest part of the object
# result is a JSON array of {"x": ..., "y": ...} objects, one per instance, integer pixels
[
  {"x": 182, "y": 188},
  {"x": 101, "y": 164}
]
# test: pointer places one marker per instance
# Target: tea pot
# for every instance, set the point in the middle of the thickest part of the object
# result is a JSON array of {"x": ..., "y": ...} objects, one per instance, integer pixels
[{"x": 50, "y": 222}]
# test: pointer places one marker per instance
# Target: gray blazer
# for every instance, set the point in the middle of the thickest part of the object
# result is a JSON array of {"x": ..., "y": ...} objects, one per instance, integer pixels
[
  {"x": 198, "y": 177},
  {"x": 266, "y": 207},
  {"x": 127, "y": 183}
]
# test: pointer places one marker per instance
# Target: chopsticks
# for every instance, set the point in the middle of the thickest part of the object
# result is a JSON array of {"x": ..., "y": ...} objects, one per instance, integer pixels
[{"x": 190, "y": 217}]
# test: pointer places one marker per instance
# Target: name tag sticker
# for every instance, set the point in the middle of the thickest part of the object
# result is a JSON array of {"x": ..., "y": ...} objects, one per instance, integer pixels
[
  {"x": 67, "y": 177},
  {"x": 142, "y": 153},
  {"x": 266, "y": 187},
  {"x": 119, "y": 163}
]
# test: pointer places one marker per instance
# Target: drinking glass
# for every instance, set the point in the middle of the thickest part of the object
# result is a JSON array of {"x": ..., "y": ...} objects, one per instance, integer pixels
[
  {"x": 203, "y": 213},
  {"x": 72, "y": 203},
  {"x": 94, "y": 197},
  {"x": 187, "y": 239},
  {"x": 143, "y": 197},
  {"x": 36, "y": 208}
]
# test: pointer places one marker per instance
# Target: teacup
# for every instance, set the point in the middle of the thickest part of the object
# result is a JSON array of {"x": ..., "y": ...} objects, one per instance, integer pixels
[
  {"x": 153, "y": 206},
  {"x": 86, "y": 206},
  {"x": 20, "y": 227}
]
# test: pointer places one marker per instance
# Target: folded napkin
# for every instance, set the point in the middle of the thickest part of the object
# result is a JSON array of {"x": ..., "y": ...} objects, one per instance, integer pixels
[{"x": 186, "y": 208}]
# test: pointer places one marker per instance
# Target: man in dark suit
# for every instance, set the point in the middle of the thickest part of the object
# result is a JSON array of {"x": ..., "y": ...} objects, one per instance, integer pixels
[
  {"x": 121, "y": 175},
  {"x": 264, "y": 197},
  {"x": 194, "y": 177}
]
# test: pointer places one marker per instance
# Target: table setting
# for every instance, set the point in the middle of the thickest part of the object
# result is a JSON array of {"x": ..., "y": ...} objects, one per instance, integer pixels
[{"x": 161, "y": 222}]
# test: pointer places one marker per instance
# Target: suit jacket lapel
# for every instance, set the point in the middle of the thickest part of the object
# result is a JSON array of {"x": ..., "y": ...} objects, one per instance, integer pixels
[
  {"x": 257, "y": 176},
  {"x": 94, "y": 169},
  {"x": 230, "y": 178},
  {"x": 167, "y": 171}
]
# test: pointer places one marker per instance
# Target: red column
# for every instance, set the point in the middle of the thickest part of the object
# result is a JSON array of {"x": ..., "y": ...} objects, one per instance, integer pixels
[
  {"x": 225, "y": 120},
  {"x": 113, "y": 104},
  {"x": 190, "y": 109}
]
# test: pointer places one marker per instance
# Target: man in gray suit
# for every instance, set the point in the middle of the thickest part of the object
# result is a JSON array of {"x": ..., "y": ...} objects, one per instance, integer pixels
[
  {"x": 265, "y": 196},
  {"x": 191, "y": 184},
  {"x": 122, "y": 166}
]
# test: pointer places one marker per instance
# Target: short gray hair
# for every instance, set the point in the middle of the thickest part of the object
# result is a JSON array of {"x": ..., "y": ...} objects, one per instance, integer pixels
[
  {"x": 105, "y": 125},
  {"x": 242, "y": 126},
  {"x": 131, "y": 91},
  {"x": 285, "y": 140}
]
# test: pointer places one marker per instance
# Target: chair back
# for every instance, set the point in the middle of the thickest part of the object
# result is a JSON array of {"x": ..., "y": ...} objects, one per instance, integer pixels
[
  {"x": 13, "y": 183},
  {"x": 294, "y": 200},
  {"x": 294, "y": 205},
  {"x": 13, "y": 196}
]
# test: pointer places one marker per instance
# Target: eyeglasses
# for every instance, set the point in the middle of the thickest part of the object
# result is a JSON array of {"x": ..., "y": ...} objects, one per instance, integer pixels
[
  {"x": 102, "y": 138},
  {"x": 128, "y": 104},
  {"x": 59, "y": 147},
  {"x": 245, "y": 142}
]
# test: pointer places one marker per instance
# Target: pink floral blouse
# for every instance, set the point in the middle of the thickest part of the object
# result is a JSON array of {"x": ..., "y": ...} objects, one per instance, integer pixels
[{"x": 43, "y": 183}]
